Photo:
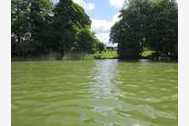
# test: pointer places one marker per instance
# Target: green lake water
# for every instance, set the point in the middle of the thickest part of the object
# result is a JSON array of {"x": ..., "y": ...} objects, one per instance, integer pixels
[{"x": 94, "y": 93}]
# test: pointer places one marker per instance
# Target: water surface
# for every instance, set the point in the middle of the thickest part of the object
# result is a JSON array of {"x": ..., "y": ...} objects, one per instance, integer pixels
[{"x": 94, "y": 93}]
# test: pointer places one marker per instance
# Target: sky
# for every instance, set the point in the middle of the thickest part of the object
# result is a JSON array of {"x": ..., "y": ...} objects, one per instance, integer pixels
[{"x": 103, "y": 14}]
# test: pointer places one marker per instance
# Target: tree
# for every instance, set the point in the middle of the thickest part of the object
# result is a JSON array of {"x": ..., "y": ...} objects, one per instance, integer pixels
[
  {"x": 40, "y": 28},
  {"x": 146, "y": 23},
  {"x": 129, "y": 32},
  {"x": 69, "y": 18},
  {"x": 100, "y": 46},
  {"x": 29, "y": 19},
  {"x": 163, "y": 28},
  {"x": 19, "y": 25},
  {"x": 86, "y": 41},
  {"x": 39, "y": 21}
]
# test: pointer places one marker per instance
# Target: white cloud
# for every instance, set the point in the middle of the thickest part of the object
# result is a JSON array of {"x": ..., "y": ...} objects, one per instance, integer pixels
[
  {"x": 102, "y": 28},
  {"x": 87, "y": 6},
  {"x": 117, "y": 3},
  {"x": 90, "y": 6},
  {"x": 55, "y": 1},
  {"x": 103, "y": 37},
  {"x": 116, "y": 18}
]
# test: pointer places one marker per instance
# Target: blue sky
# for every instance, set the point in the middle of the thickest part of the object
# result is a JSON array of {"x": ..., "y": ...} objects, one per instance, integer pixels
[
  {"x": 103, "y": 13},
  {"x": 102, "y": 10}
]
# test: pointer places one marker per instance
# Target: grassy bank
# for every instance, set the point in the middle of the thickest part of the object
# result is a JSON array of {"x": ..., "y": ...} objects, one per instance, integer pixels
[
  {"x": 146, "y": 54},
  {"x": 106, "y": 55},
  {"x": 68, "y": 56}
]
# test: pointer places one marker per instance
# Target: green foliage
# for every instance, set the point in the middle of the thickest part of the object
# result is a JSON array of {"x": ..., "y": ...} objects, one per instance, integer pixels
[
  {"x": 39, "y": 28},
  {"x": 86, "y": 41},
  {"x": 163, "y": 29},
  {"x": 29, "y": 20},
  {"x": 100, "y": 46},
  {"x": 68, "y": 20},
  {"x": 146, "y": 23},
  {"x": 147, "y": 53}
]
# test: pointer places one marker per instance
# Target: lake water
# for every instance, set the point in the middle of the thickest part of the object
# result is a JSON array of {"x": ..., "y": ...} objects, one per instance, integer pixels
[{"x": 94, "y": 93}]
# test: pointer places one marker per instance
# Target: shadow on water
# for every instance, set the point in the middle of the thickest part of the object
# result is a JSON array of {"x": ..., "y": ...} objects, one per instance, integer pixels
[{"x": 147, "y": 61}]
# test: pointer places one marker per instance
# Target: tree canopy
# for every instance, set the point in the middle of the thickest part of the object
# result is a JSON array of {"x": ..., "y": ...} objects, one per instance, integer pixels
[
  {"x": 146, "y": 23},
  {"x": 39, "y": 28}
]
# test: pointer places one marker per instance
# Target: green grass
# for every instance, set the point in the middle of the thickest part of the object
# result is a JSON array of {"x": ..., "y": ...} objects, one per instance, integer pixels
[
  {"x": 147, "y": 53},
  {"x": 113, "y": 54},
  {"x": 106, "y": 55}
]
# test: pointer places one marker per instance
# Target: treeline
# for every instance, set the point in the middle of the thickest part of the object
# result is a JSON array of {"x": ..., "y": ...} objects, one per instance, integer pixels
[
  {"x": 151, "y": 24},
  {"x": 40, "y": 28}
]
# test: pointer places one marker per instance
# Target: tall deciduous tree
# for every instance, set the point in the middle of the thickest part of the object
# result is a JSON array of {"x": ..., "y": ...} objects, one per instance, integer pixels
[
  {"x": 29, "y": 18},
  {"x": 69, "y": 18},
  {"x": 162, "y": 30},
  {"x": 146, "y": 23},
  {"x": 39, "y": 27}
]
